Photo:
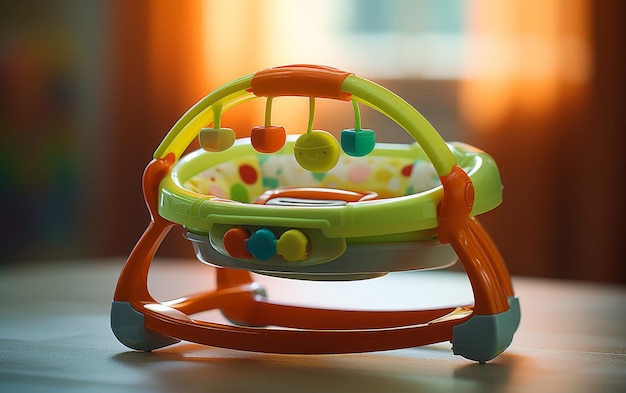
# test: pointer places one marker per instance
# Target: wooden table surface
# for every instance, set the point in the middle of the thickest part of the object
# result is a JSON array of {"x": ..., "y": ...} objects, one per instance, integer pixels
[{"x": 55, "y": 337}]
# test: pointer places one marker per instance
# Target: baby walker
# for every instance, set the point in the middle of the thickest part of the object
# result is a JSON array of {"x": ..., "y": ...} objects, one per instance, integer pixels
[{"x": 310, "y": 207}]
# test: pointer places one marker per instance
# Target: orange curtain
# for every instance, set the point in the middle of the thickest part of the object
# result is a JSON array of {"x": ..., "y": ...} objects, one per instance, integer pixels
[
  {"x": 156, "y": 72},
  {"x": 524, "y": 56},
  {"x": 533, "y": 98},
  {"x": 165, "y": 56}
]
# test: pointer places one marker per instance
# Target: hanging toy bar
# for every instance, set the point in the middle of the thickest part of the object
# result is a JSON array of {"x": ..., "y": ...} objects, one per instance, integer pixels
[{"x": 309, "y": 207}]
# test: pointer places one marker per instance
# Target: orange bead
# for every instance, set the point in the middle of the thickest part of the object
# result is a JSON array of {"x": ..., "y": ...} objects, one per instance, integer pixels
[
  {"x": 268, "y": 139},
  {"x": 234, "y": 241}
]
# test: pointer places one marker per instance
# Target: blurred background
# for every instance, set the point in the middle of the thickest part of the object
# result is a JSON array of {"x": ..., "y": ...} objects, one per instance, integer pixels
[{"x": 88, "y": 89}]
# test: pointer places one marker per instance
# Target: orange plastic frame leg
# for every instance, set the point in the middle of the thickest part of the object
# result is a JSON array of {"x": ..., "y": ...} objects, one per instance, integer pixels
[{"x": 318, "y": 330}]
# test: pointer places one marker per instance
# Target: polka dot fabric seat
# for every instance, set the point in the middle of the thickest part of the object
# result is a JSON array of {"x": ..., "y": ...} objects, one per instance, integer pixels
[
  {"x": 245, "y": 178},
  {"x": 239, "y": 180}
]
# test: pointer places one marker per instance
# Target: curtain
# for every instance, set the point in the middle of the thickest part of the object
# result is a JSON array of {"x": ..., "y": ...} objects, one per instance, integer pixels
[{"x": 541, "y": 97}]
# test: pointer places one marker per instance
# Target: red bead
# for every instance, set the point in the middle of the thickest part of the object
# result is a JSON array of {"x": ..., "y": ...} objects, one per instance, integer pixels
[
  {"x": 234, "y": 241},
  {"x": 268, "y": 139}
]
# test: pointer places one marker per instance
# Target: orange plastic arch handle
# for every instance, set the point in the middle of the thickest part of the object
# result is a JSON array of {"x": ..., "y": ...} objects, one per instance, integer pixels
[{"x": 300, "y": 80}]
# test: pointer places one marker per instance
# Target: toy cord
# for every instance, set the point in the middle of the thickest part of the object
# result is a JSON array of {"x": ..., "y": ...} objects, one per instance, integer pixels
[
  {"x": 309, "y": 127},
  {"x": 268, "y": 111},
  {"x": 217, "y": 114},
  {"x": 357, "y": 114}
]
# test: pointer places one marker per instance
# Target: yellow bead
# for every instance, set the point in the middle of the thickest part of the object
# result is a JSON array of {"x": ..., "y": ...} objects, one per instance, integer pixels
[
  {"x": 292, "y": 245},
  {"x": 317, "y": 151}
]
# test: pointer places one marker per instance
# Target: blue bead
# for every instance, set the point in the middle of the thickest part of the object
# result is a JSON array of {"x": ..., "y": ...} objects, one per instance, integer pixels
[{"x": 262, "y": 244}]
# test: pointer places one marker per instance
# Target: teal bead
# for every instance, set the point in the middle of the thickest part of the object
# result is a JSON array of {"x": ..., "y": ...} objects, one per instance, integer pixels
[
  {"x": 358, "y": 143},
  {"x": 262, "y": 244}
]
